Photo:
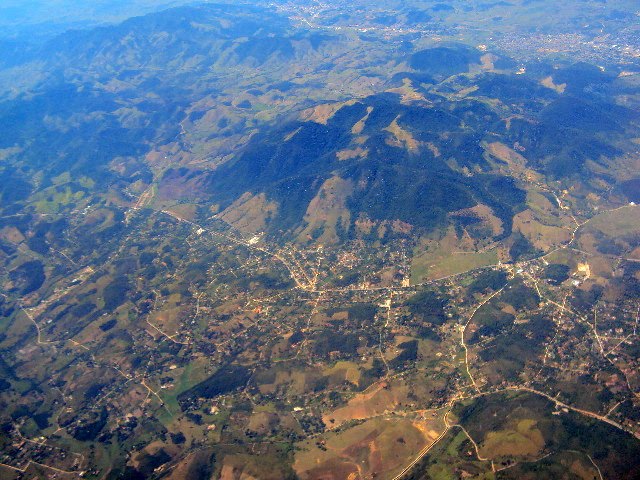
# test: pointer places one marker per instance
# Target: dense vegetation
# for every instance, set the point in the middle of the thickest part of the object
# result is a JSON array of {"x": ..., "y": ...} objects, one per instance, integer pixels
[
  {"x": 226, "y": 379},
  {"x": 429, "y": 306}
]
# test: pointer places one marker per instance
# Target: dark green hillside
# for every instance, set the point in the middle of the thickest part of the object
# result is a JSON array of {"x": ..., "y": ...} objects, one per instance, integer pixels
[
  {"x": 417, "y": 78},
  {"x": 582, "y": 78},
  {"x": 106, "y": 96},
  {"x": 192, "y": 30},
  {"x": 393, "y": 183},
  {"x": 410, "y": 195},
  {"x": 512, "y": 89},
  {"x": 569, "y": 131},
  {"x": 587, "y": 116},
  {"x": 28, "y": 277},
  {"x": 84, "y": 148},
  {"x": 560, "y": 135},
  {"x": 14, "y": 187},
  {"x": 631, "y": 188},
  {"x": 445, "y": 61}
]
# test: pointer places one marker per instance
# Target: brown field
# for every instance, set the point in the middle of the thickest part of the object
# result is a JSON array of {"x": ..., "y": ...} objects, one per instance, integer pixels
[
  {"x": 191, "y": 463},
  {"x": 323, "y": 113},
  {"x": 601, "y": 267},
  {"x": 549, "y": 83},
  {"x": 378, "y": 448},
  {"x": 359, "y": 126},
  {"x": 294, "y": 381},
  {"x": 515, "y": 162},
  {"x": 102, "y": 217},
  {"x": 11, "y": 235},
  {"x": 548, "y": 212},
  {"x": 383, "y": 398},
  {"x": 434, "y": 258},
  {"x": 175, "y": 187},
  {"x": 249, "y": 213},
  {"x": 186, "y": 211},
  {"x": 348, "y": 154},
  {"x": 407, "y": 92},
  {"x": 260, "y": 465},
  {"x": 133, "y": 400},
  {"x": 347, "y": 371},
  {"x": 327, "y": 209},
  {"x": 542, "y": 236},
  {"x": 622, "y": 221},
  {"x": 402, "y": 138},
  {"x": 450, "y": 256},
  {"x": 486, "y": 215},
  {"x": 524, "y": 439},
  {"x": 487, "y": 61},
  {"x": 380, "y": 399},
  {"x": 611, "y": 226},
  {"x": 166, "y": 320}
]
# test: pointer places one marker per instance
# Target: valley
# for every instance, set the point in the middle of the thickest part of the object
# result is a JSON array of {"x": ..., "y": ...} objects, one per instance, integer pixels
[{"x": 320, "y": 241}]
